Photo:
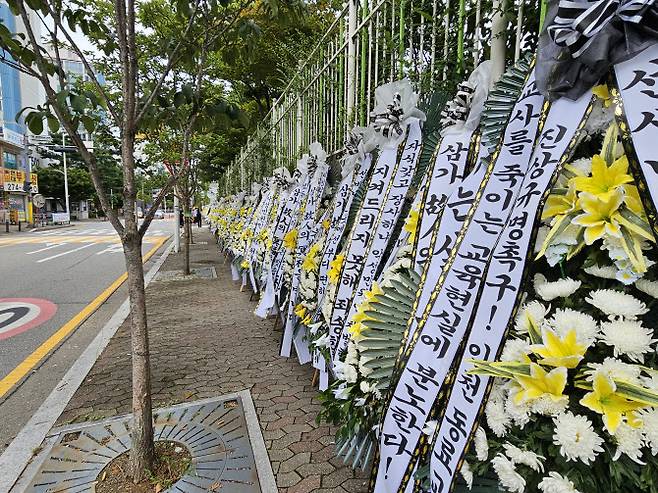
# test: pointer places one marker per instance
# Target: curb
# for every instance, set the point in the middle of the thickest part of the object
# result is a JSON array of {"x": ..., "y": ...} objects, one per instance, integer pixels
[
  {"x": 18, "y": 455},
  {"x": 53, "y": 227}
]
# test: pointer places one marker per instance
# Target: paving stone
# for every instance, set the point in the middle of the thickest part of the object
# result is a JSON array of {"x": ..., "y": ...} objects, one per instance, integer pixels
[{"x": 206, "y": 342}]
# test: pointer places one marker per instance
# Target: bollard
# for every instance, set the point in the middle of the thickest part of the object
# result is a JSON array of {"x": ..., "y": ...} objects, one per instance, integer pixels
[
  {"x": 7, "y": 226},
  {"x": 19, "y": 226}
]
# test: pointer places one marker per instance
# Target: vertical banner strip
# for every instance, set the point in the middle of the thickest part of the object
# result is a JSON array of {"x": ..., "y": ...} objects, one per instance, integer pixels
[
  {"x": 501, "y": 290},
  {"x": 434, "y": 345}
]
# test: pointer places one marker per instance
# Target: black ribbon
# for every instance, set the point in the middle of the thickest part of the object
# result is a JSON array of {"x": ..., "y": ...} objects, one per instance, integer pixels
[
  {"x": 389, "y": 124},
  {"x": 583, "y": 39},
  {"x": 458, "y": 108}
]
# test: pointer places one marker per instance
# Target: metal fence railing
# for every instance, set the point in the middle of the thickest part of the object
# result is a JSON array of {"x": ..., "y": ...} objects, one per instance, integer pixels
[{"x": 435, "y": 43}]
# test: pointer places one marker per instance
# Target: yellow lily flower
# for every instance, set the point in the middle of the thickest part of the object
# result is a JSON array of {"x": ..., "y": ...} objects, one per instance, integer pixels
[
  {"x": 307, "y": 320},
  {"x": 325, "y": 224},
  {"x": 355, "y": 331},
  {"x": 558, "y": 351},
  {"x": 601, "y": 216},
  {"x": 604, "y": 180},
  {"x": 300, "y": 310},
  {"x": 603, "y": 94},
  {"x": 311, "y": 262},
  {"x": 290, "y": 239},
  {"x": 360, "y": 315},
  {"x": 540, "y": 382},
  {"x": 605, "y": 401},
  {"x": 244, "y": 264},
  {"x": 411, "y": 225},
  {"x": 335, "y": 266},
  {"x": 558, "y": 205},
  {"x": 374, "y": 292}
]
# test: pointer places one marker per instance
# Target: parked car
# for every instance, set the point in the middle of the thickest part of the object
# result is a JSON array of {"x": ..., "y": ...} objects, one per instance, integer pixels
[{"x": 159, "y": 214}]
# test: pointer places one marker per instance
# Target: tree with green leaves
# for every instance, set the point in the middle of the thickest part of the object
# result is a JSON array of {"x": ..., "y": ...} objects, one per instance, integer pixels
[{"x": 128, "y": 103}]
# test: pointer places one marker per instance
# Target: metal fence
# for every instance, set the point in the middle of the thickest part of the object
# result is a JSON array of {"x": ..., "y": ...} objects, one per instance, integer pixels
[{"x": 435, "y": 43}]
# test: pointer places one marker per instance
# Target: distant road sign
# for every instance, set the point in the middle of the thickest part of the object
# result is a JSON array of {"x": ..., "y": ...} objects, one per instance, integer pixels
[{"x": 39, "y": 201}]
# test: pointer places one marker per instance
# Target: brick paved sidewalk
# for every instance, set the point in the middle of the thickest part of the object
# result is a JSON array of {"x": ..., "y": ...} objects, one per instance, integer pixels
[{"x": 206, "y": 342}]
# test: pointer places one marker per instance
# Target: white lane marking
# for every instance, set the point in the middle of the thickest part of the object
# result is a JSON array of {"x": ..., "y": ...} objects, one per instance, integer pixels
[
  {"x": 114, "y": 248},
  {"x": 65, "y": 253},
  {"x": 52, "y": 245}
]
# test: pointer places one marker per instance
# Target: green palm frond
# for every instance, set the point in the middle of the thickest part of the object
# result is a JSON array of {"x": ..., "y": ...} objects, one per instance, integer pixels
[
  {"x": 385, "y": 325},
  {"x": 500, "y": 102}
]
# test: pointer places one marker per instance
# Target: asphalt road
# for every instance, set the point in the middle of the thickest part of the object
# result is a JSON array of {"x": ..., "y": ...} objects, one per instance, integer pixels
[{"x": 47, "y": 278}]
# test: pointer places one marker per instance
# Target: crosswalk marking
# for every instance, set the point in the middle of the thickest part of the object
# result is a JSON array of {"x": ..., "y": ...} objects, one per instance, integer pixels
[{"x": 65, "y": 253}]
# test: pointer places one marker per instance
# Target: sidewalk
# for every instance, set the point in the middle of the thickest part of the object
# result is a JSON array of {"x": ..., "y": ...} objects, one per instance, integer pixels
[{"x": 206, "y": 342}]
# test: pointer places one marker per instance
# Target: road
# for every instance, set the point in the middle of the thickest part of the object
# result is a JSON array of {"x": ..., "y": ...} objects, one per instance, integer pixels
[{"x": 47, "y": 282}]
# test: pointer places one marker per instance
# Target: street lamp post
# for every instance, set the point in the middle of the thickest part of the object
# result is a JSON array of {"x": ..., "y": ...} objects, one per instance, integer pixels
[{"x": 66, "y": 178}]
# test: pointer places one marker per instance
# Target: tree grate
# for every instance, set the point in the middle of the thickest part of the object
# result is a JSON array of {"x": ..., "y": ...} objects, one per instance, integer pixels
[{"x": 214, "y": 431}]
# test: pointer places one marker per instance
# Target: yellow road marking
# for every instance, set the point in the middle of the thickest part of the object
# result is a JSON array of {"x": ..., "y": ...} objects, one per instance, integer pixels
[
  {"x": 17, "y": 374},
  {"x": 73, "y": 239}
]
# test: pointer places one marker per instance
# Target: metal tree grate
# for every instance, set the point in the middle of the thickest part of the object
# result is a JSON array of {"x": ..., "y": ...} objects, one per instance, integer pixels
[
  {"x": 214, "y": 431},
  {"x": 177, "y": 275}
]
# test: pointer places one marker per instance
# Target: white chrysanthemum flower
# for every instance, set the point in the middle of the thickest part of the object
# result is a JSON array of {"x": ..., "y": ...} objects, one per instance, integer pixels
[
  {"x": 497, "y": 418},
  {"x": 629, "y": 441},
  {"x": 534, "y": 312},
  {"x": 369, "y": 388},
  {"x": 555, "y": 483},
  {"x": 519, "y": 413},
  {"x": 576, "y": 438},
  {"x": 651, "y": 381},
  {"x": 546, "y": 406},
  {"x": 616, "y": 304},
  {"x": 481, "y": 444},
  {"x": 352, "y": 357},
  {"x": 507, "y": 475},
  {"x": 648, "y": 287},
  {"x": 515, "y": 350},
  {"x": 467, "y": 474},
  {"x": 561, "y": 288},
  {"x": 524, "y": 457},
  {"x": 627, "y": 337},
  {"x": 566, "y": 319},
  {"x": 604, "y": 272},
  {"x": 430, "y": 428},
  {"x": 363, "y": 369},
  {"x": 649, "y": 419},
  {"x": 360, "y": 402},
  {"x": 349, "y": 373},
  {"x": 615, "y": 368}
]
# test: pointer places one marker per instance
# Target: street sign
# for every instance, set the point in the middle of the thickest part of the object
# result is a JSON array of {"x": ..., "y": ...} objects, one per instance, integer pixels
[{"x": 39, "y": 201}]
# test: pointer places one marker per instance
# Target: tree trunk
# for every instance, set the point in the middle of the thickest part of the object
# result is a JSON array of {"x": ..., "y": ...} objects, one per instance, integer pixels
[
  {"x": 142, "y": 453},
  {"x": 187, "y": 231}
]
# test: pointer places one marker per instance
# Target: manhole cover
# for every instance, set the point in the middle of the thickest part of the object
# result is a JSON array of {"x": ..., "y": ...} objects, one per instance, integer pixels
[
  {"x": 215, "y": 432},
  {"x": 177, "y": 275}
]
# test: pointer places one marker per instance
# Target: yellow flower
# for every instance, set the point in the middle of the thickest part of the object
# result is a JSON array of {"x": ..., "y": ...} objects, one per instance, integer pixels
[
  {"x": 558, "y": 351},
  {"x": 604, "y": 400},
  {"x": 540, "y": 383},
  {"x": 604, "y": 180},
  {"x": 290, "y": 239},
  {"x": 411, "y": 225},
  {"x": 600, "y": 216},
  {"x": 603, "y": 94},
  {"x": 374, "y": 292},
  {"x": 355, "y": 331},
  {"x": 244, "y": 264},
  {"x": 335, "y": 266},
  {"x": 325, "y": 224},
  {"x": 360, "y": 314},
  {"x": 312, "y": 260},
  {"x": 300, "y": 310},
  {"x": 560, "y": 204},
  {"x": 307, "y": 320}
]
